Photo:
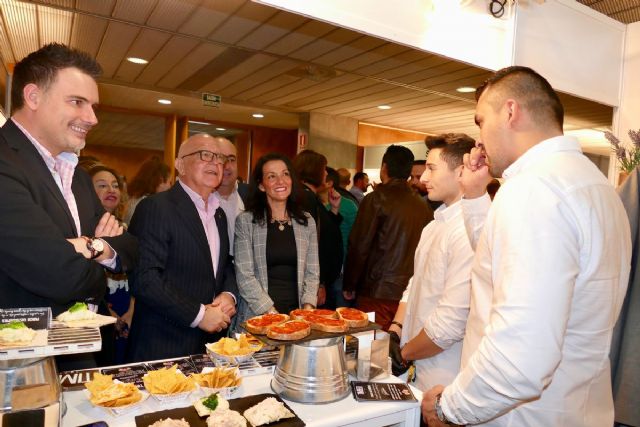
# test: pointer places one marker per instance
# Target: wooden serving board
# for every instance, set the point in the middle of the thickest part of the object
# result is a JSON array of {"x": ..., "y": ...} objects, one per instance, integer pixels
[{"x": 315, "y": 335}]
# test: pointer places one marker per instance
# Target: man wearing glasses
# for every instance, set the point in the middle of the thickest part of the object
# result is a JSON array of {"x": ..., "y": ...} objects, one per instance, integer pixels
[{"x": 185, "y": 283}]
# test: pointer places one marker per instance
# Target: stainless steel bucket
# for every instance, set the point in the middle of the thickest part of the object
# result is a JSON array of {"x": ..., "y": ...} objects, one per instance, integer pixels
[{"x": 312, "y": 372}]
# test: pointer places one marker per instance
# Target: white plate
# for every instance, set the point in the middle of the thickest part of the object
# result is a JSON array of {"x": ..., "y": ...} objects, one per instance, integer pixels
[
  {"x": 234, "y": 360},
  {"x": 170, "y": 398},
  {"x": 226, "y": 392}
]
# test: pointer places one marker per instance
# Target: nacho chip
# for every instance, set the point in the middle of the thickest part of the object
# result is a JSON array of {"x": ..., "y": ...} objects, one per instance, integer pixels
[
  {"x": 218, "y": 378},
  {"x": 168, "y": 381}
]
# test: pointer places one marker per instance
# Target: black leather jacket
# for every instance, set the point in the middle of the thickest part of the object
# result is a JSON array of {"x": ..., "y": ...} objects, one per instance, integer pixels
[{"x": 383, "y": 241}]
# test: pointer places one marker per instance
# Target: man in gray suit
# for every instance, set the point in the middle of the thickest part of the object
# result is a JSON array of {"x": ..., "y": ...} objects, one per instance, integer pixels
[{"x": 185, "y": 283}]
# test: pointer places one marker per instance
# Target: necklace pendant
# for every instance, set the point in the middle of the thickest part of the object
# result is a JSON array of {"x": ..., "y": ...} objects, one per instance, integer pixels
[{"x": 281, "y": 227}]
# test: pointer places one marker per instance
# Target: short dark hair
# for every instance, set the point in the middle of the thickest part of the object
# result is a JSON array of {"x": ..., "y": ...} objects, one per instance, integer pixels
[
  {"x": 102, "y": 168},
  {"x": 454, "y": 146},
  {"x": 358, "y": 176},
  {"x": 41, "y": 68},
  {"x": 310, "y": 167},
  {"x": 257, "y": 200},
  {"x": 419, "y": 162},
  {"x": 399, "y": 161},
  {"x": 533, "y": 91},
  {"x": 152, "y": 173},
  {"x": 333, "y": 176}
]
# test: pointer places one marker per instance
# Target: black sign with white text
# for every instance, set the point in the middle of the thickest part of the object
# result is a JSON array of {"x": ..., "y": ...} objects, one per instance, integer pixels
[{"x": 35, "y": 318}]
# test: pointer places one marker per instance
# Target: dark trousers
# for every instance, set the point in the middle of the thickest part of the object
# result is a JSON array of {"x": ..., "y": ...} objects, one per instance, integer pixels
[{"x": 385, "y": 309}]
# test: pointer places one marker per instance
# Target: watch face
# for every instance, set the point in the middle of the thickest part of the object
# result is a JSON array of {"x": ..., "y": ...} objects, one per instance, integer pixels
[{"x": 97, "y": 245}]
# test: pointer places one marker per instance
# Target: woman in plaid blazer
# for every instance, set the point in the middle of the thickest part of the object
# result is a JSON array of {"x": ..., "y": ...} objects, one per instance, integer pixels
[{"x": 276, "y": 245}]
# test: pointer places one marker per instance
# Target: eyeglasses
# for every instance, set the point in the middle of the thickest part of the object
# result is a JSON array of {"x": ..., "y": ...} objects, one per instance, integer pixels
[{"x": 209, "y": 156}]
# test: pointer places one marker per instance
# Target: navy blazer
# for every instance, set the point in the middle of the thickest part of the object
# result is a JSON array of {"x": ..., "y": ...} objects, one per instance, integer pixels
[
  {"x": 38, "y": 266},
  {"x": 174, "y": 276}
]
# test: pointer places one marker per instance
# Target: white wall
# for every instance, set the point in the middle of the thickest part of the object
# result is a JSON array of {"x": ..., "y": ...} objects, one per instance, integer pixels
[
  {"x": 576, "y": 48},
  {"x": 461, "y": 30}
]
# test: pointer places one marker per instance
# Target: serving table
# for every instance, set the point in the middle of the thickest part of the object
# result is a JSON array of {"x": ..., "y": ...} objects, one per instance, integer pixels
[{"x": 346, "y": 412}]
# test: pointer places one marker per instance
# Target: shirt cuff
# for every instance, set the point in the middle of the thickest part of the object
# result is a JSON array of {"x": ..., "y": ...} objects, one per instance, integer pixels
[
  {"x": 110, "y": 263},
  {"x": 445, "y": 408},
  {"x": 198, "y": 318},
  {"x": 235, "y": 300}
]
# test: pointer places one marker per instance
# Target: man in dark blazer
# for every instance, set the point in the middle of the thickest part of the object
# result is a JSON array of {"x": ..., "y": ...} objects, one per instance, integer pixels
[
  {"x": 185, "y": 282},
  {"x": 55, "y": 237}
]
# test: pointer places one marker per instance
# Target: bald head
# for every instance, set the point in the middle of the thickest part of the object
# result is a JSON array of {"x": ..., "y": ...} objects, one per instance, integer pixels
[
  {"x": 345, "y": 177},
  {"x": 200, "y": 175}
]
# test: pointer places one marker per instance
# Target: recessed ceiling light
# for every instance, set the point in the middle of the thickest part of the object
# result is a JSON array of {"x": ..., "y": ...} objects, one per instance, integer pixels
[
  {"x": 164, "y": 101},
  {"x": 220, "y": 129},
  {"x": 258, "y": 115},
  {"x": 466, "y": 89},
  {"x": 199, "y": 123},
  {"x": 137, "y": 60},
  {"x": 384, "y": 107}
]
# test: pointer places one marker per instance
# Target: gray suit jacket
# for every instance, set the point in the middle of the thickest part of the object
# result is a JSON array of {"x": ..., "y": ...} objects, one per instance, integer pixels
[{"x": 251, "y": 265}]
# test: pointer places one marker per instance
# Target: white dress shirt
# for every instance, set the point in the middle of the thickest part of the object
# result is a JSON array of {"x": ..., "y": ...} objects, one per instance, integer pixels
[
  {"x": 437, "y": 297},
  {"x": 548, "y": 280}
]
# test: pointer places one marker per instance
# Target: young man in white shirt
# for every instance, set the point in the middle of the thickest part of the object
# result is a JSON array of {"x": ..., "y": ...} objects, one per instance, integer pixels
[
  {"x": 549, "y": 275},
  {"x": 432, "y": 314}
]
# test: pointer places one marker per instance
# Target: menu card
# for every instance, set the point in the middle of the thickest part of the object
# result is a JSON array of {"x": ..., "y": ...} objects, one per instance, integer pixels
[
  {"x": 74, "y": 380},
  {"x": 201, "y": 361},
  {"x": 128, "y": 374},
  {"x": 184, "y": 364},
  {"x": 381, "y": 392},
  {"x": 34, "y": 318}
]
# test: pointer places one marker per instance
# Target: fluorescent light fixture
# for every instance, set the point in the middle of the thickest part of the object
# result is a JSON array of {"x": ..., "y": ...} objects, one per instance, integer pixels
[
  {"x": 466, "y": 89},
  {"x": 384, "y": 107},
  {"x": 164, "y": 101},
  {"x": 137, "y": 60},
  {"x": 257, "y": 115},
  {"x": 200, "y": 123},
  {"x": 220, "y": 129}
]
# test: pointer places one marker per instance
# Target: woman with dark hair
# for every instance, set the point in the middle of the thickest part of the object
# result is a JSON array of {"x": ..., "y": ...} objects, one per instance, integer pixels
[
  {"x": 311, "y": 167},
  {"x": 153, "y": 177},
  {"x": 285, "y": 276},
  {"x": 107, "y": 184}
]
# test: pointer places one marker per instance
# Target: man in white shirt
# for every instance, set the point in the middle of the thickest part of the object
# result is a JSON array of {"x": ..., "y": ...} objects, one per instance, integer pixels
[
  {"x": 549, "y": 274},
  {"x": 229, "y": 191},
  {"x": 432, "y": 314}
]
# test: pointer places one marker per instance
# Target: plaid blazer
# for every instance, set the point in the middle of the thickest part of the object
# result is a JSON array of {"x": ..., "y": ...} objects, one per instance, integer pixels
[{"x": 250, "y": 253}]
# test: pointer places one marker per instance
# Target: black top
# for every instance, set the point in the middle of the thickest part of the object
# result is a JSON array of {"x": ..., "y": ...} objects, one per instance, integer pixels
[
  {"x": 282, "y": 267},
  {"x": 329, "y": 237}
]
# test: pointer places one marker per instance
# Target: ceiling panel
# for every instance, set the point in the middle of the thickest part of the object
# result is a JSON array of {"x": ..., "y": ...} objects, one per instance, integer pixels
[
  {"x": 275, "y": 69},
  {"x": 87, "y": 33},
  {"x": 275, "y": 28},
  {"x": 137, "y": 11},
  {"x": 329, "y": 42},
  {"x": 170, "y": 54},
  {"x": 246, "y": 19},
  {"x": 146, "y": 46},
  {"x": 170, "y": 14},
  {"x": 115, "y": 45},
  {"x": 102, "y": 7},
  {"x": 348, "y": 51},
  {"x": 55, "y": 25},
  {"x": 246, "y": 70},
  {"x": 190, "y": 63},
  {"x": 304, "y": 34},
  {"x": 20, "y": 21}
]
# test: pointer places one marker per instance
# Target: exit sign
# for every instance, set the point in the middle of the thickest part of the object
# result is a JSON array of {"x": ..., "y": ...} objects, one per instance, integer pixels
[{"x": 211, "y": 100}]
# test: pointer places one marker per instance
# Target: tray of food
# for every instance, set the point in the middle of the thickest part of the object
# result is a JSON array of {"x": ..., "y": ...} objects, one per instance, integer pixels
[
  {"x": 79, "y": 316},
  {"x": 307, "y": 325},
  {"x": 233, "y": 351},
  {"x": 113, "y": 396},
  {"x": 168, "y": 385},
  {"x": 214, "y": 410}
]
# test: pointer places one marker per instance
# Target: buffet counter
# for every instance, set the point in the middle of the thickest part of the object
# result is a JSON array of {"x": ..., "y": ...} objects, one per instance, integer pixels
[{"x": 346, "y": 412}]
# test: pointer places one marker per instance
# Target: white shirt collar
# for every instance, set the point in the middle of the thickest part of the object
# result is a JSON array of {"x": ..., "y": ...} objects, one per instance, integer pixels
[{"x": 541, "y": 149}]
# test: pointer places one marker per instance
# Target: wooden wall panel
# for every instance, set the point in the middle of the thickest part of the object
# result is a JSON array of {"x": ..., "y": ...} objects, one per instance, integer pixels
[
  {"x": 267, "y": 140},
  {"x": 376, "y": 135}
]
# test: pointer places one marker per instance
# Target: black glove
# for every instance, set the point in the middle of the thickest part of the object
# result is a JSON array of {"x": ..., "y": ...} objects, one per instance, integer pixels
[{"x": 398, "y": 366}]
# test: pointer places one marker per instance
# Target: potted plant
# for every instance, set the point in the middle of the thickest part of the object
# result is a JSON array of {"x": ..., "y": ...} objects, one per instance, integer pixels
[{"x": 629, "y": 157}]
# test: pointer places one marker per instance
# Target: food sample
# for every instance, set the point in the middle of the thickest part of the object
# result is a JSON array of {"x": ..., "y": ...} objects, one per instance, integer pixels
[
  {"x": 207, "y": 405},
  {"x": 168, "y": 381},
  {"x": 78, "y": 311},
  {"x": 226, "y": 418},
  {"x": 170, "y": 422},
  {"x": 354, "y": 317},
  {"x": 16, "y": 333},
  {"x": 268, "y": 411},
  {"x": 260, "y": 324},
  {"x": 302, "y": 314},
  {"x": 291, "y": 330},
  {"x": 325, "y": 324},
  {"x": 107, "y": 393},
  {"x": 232, "y": 347},
  {"x": 218, "y": 378}
]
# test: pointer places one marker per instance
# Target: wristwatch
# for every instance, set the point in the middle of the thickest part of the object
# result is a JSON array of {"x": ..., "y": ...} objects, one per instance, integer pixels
[
  {"x": 439, "y": 412},
  {"x": 95, "y": 246}
]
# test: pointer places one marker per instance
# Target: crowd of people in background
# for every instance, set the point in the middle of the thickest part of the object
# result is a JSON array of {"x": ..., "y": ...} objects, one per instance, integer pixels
[{"x": 501, "y": 311}]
